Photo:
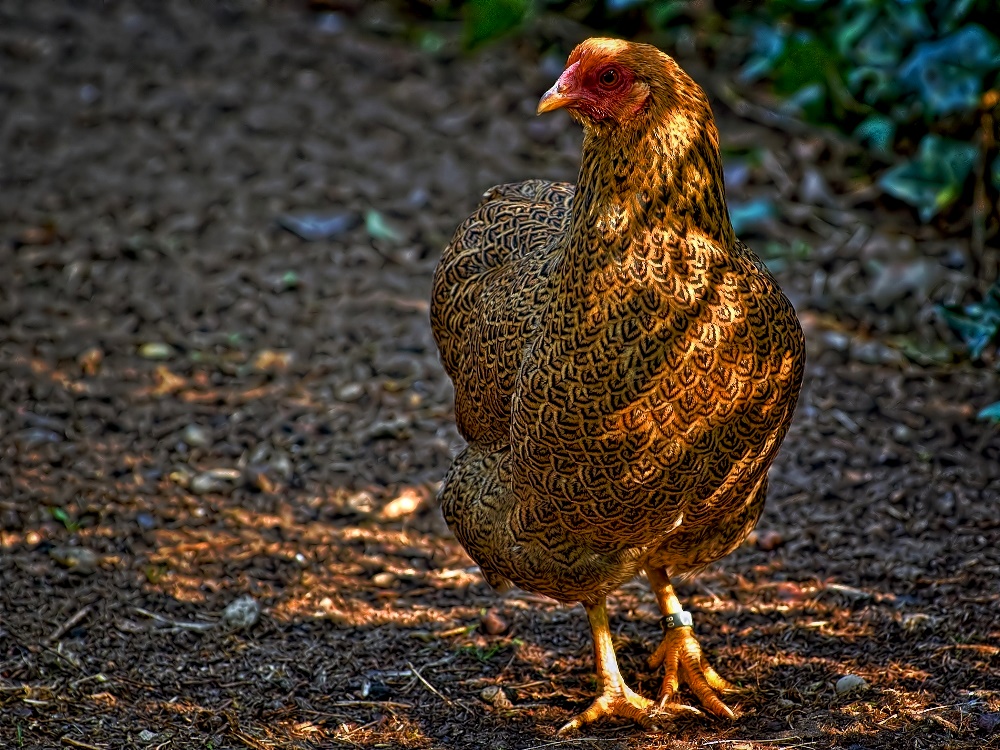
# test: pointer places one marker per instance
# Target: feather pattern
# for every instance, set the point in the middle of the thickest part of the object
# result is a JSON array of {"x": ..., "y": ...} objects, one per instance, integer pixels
[{"x": 625, "y": 368}]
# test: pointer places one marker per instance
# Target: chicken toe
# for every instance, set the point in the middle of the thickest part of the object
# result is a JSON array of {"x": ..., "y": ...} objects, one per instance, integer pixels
[
  {"x": 682, "y": 660},
  {"x": 680, "y": 654},
  {"x": 620, "y": 701}
]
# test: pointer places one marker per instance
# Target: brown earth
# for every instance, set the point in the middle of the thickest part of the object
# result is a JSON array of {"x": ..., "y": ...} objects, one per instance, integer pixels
[{"x": 197, "y": 405}]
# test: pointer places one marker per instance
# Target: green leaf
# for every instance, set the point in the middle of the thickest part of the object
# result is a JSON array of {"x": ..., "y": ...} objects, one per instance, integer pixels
[
  {"x": 990, "y": 413},
  {"x": 975, "y": 331},
  {"x": 768, "y": 46},
  {"x": 948, "y": 73},
  {"x": 881, "y": 47},
  {"x": 487, "y": 19},
  {"x": 847, "y": 36},
  {"x": 378, "y": 228},
  {"x": 958, "y": 10},
  {"x": 977, "y": 324},
  {"x": 877, "y": 132},
  {"x": 934, "y": 177},
  {"x": 64, "y": 518}
]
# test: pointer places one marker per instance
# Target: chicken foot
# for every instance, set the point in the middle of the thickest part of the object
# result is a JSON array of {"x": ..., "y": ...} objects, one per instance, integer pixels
[
  {"x": 617, "y": 698},
  {"x": 680, "y": 655}
]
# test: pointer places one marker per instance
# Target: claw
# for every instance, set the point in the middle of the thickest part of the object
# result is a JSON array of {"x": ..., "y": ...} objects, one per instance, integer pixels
[
  {"x": 623, "y": 702},
  {"x": 682, "y": 660},
  {"x": 627, "y": 704}
]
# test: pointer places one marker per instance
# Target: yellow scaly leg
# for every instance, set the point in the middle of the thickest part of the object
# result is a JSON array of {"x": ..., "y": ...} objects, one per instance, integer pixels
[
  {"x": 617, "y": 698},
  {"x": 681, "y": 657}
]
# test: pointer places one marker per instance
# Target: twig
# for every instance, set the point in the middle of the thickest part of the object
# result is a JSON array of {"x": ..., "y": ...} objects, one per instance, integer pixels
[
  {"x": 175, "y": 623},
  {"x": 426, "y": 684},
  {"x": 461, "y": 630},
  {"x": 773, "y": 739},
  {"x": 937, "y": 708},
  {"x": 848, "y": 591},
  {"x": 371, "y": 703},
  {"x": 100, "y": 677},
  {"x": 756, "y": 112},
  {"x": 566, "y": 742},
  {"x": 70, "y": 623},
  {"x": 77, "y": 743}
]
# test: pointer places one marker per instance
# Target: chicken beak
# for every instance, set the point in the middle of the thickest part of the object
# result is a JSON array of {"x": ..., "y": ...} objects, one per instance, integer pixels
[{"x": 560, "y": 95}]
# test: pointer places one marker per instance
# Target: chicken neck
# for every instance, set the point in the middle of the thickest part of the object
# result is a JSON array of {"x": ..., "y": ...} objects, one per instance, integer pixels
[{"x": 650, "y": 195}]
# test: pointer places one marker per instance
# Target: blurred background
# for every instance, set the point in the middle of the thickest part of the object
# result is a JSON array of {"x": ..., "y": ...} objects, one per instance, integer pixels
[
  {"x": 223, "y": 422},
  {"x": 878, "y": 105}
]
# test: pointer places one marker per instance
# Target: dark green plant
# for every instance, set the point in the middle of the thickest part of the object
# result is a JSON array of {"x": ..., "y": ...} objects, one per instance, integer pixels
[
  {"x": 978, "y": 323},
  {"x": 895, "y": 73},
  {"x": 904, "y": 77}
]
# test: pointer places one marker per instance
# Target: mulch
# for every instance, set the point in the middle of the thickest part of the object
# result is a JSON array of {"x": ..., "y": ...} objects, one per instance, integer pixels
[{"x": 198, "y": 408}]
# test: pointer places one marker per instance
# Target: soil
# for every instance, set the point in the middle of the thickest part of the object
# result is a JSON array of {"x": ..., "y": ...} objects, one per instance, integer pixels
[{"x": 197, "y": 406}]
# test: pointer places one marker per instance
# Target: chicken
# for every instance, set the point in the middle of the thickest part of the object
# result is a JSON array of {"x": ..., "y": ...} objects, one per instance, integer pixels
[{"x": 625, "y": 368}]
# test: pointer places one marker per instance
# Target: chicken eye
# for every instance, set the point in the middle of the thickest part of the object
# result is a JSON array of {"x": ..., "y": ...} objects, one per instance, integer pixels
[{"x": 609, "y": 78}]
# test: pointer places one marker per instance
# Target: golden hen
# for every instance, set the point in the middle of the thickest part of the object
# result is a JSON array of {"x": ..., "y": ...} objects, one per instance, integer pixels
[{"x": 624, "y": 367}]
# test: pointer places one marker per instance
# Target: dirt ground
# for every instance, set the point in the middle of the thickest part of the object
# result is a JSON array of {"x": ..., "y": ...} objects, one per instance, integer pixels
[{"x": 198, "y": 405}]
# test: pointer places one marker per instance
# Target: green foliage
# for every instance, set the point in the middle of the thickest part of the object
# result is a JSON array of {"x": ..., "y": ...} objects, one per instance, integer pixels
[
  {"x": 893, "y": 73},
  {"x": 933, "y": 179},
  {"x": 488, "y": 19},
  {"x": 901, "y": 76},
  {"x": 978, "y": 323},
  {"x": 990, "y": 413},
  {"x": 60, "y": 515}
]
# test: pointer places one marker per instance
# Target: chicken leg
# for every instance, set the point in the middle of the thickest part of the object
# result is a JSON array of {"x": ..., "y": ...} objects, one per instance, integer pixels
[
  {"x": 681, "y": 657},
  {"x": 617, "y": 698}
]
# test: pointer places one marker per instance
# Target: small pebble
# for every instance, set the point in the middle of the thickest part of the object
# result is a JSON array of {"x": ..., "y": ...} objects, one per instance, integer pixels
[
  {"x": 268, "y": 360},
  {"x": 918, "y": 622},
  {"x": 850, "y": 683},
  {"x": 205, "y": 483},
  {"x": 389, "y": 428},
  {"x": 350, "y": 392},
  {"x": 901, "y": 433},
  {"x": 146, "y": 736},
  {"x": 215, "y": 480},
  {"x": 196, "y": 436},
  {"x": 404, "y": 505},
  {"x": 496, "y": 697},
  {"x": 836, "y": 340},
  {"x": 156, "y": 350},
  {"x": 384, "y": 579},
  {"x": 769, "y": 540},
  {"x": 282, "y": 466},
  {"x": 361, "y": 502},
  {"x": 493, "y": 623},
  {"x": 241, "y": 613}
]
